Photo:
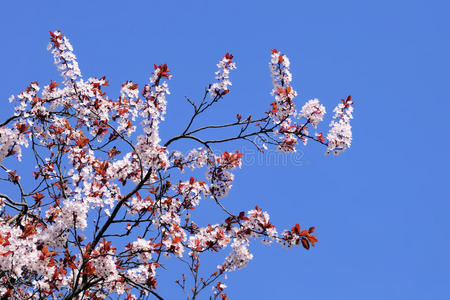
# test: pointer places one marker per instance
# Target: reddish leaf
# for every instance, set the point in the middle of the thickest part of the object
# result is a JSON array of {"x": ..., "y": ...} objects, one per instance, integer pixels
[{"x": 305, "y": 243}]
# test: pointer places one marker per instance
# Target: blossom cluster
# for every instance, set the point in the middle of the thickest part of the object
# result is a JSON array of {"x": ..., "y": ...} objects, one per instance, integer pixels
[
  {"x": 220, "y": 88},
  {"x": 313, "y": 112},
  {"x": 64, "y": 57},
  {"x": 197, "y": 158},
  {"x": 340, "y": 134},
  {"x": 220, "y": 172}
]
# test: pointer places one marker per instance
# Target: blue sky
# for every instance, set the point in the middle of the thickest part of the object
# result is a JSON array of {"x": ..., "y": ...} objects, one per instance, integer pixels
[{"x": 381, "y": 209}]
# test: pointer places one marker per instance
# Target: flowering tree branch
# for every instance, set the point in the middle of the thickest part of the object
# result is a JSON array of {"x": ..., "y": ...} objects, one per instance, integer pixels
[{"x": 103, "y": 176}]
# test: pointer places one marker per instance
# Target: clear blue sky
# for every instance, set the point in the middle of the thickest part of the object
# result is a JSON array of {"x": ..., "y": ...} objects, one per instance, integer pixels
[{"x": 382, "y": 209}]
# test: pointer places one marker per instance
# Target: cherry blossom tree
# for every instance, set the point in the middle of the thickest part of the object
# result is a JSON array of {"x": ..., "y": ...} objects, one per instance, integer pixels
[{"x": 109, "y": 202}]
